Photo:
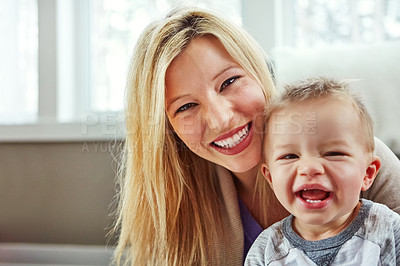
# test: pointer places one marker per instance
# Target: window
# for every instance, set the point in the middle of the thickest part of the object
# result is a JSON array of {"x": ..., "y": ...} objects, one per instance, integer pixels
[
  {"x": 19, "y": 59},
  {"x": 325, "y": 22}
]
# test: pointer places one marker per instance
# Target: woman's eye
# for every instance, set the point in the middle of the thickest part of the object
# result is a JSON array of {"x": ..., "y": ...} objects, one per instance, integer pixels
[
  {"x": 289, "y": 156},
  {"x": 185, "y": 107},
  {"x": 228, "y": 82}
]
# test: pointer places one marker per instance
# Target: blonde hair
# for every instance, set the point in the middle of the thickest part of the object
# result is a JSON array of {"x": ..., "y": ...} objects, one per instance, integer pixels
[
  {"x": 170, "y": 202},
  {"x": 320, "y": 88}
]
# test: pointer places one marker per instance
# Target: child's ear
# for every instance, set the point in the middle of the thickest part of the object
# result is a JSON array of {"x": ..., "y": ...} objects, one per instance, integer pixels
[
  {"x": 266, "y": 173},
  {"x": 370, "y": 173}
]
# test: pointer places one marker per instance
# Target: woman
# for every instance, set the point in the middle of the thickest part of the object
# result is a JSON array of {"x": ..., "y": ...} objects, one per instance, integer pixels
[{"x": 190, "y": 191}]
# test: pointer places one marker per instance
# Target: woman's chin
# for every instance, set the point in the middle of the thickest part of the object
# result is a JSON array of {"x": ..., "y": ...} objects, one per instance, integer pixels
[{"x": 244, "y": 168}]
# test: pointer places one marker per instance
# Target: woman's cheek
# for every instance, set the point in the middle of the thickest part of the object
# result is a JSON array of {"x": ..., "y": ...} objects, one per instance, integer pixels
[
  {"x": 188, "y": 130},
  {"x": 258, "y": 123},
  {"x": 185, "y": 127},
  {"x": 255, "y": 103}
]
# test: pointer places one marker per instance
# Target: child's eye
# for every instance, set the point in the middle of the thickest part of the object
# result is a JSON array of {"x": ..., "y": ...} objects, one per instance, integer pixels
[
  {"x": 228, "y": 82},
  {"x": 334, "y": 153},
  {"x": 185, "y": 107},
  {"x": 289, "y": 156}
]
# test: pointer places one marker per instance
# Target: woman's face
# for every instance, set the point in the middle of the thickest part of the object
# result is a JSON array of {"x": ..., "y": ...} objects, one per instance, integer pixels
[{"x": 214, "y": 106}]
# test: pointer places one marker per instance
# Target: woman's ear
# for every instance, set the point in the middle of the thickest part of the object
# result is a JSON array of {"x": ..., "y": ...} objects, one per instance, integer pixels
[
  {"x": 371, "y": 172},
  {"x": 266, "y": 173}
]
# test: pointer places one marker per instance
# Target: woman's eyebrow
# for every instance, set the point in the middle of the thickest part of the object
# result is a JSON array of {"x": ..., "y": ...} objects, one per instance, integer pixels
[
  {"x": 175, "y": 99},
  {"x": 223, "y": 71}
]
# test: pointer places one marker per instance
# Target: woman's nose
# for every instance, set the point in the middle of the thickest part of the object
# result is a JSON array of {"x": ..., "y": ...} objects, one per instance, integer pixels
[
  {"x": 310, "y": 167},
  {"x": 218, "y": 114}
]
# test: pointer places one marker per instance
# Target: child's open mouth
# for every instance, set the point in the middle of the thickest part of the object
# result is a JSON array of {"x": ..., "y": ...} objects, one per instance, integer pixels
[{"x": 314, "y": 198}]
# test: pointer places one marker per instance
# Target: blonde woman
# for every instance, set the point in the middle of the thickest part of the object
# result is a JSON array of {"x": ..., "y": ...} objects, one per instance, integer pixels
[{"x": 190, "y": 192}]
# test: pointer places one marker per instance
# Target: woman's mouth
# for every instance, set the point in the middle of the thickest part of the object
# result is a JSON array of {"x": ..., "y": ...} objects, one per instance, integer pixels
[
  {"x": 234, "y": 140},
  {"x": 238, "y": 140}
]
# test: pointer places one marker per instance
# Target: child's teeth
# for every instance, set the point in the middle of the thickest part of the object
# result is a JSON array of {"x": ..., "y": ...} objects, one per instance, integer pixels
[{"x": 312, "y": 201}]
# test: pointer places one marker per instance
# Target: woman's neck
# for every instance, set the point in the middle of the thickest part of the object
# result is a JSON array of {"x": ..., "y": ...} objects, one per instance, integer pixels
[
  {"x": 246, "y": 182},
  {"x": 246, "y": 188}
]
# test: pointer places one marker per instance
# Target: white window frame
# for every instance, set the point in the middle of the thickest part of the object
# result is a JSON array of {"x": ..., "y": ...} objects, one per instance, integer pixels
[
  {"x": 265, "y": 21},
  {"x": 52, "y": 100}
]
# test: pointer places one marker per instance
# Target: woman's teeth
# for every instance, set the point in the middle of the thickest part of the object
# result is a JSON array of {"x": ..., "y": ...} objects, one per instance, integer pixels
[{"x": 234, "y": 140}]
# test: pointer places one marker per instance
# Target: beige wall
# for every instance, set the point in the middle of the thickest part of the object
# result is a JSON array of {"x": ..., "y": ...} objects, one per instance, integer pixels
[{"x": 56, "y": 192}]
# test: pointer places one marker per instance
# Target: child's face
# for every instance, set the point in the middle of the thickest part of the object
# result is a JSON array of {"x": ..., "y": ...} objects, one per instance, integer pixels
[{"x": 316, "y": 162}]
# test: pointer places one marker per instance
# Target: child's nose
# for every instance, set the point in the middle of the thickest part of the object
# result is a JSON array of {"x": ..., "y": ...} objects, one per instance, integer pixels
[{"x": 310, "y": 167}]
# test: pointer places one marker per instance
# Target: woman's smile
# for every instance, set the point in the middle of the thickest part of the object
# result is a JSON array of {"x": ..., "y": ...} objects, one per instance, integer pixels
[{"x": 235, "y": 141}]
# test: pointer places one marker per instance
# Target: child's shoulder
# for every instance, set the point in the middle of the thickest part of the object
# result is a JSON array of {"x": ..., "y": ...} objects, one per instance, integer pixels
[
  {"x": 270, "y": 245},
  {"x": 380, "y": 222},
  {"x": 382, "y": 227},
  {"x": 274, "y": 232},
  {"x": 379, "y": 214}
]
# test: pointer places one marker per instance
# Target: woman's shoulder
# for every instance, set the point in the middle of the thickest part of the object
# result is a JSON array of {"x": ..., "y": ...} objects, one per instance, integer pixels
[
  {"x": 385, "y": 187},
  {"x": 383, "y": 152}
]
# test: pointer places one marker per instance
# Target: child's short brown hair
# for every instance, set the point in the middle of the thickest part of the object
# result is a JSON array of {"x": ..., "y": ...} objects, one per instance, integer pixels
[{"x": 320, "y": 88}]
